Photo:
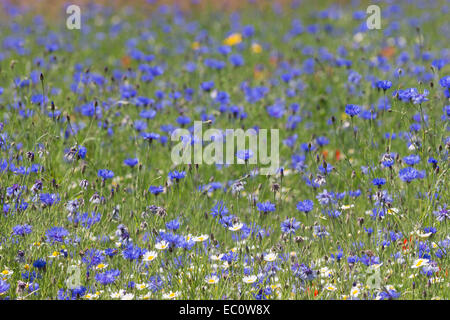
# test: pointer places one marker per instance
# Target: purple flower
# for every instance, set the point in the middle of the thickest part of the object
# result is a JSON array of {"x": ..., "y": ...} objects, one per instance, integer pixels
[
  {"x": 378, "y": 182},
  {"x": 133, "y": 252},
  {"x": 150, "y": 136},
  {"x": 147, "y": 114},
  {"x": 21, "y": 230},
  {"x": 183, "y": 120},
  {"x": 411, "y": 160},
  {"x": 352, "y": 110},
  {"x": 275, "y": 111},
  {"x": 93, "y": 257},
  {"x": 207, "y": 85},
  {"x": 420, "y": 98},
  {"x": 334, "y": 213},
  {"x": 107, "y": 277},
  {"x": 244, "y": 154},
  {"x": 105, "y": 174},
  {"x": 388, "y": 295},
  {"x": 156, "y": 190},
  {"x": 4, "y": 286},
  {"x": 173, "y": 224},
  {"x": 445, "y": 82},
  {"x": 219, "y": 209},
  {"x": 290, "y": 225},
  {"x": 265, "y": 206},
  {"x": 406, "y": 94},
  {"x": 325, "y": 197},
  {"x": 409, "y": 174},
  {"x": 175, "y": 175},
  {"x": 56, "y": 234},
  {"x": 39, "y": 264},
  {"x": 48, "y": 199},
  {"x": 305, "y": 206},
  {"x": 131, "y": 162},
  {"x": 384, "y": 84},
  {"x": 442, "y": 213}
]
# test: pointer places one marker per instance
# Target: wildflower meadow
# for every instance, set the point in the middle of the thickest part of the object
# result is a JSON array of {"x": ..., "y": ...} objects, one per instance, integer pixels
[{"x": 215, "y": 150}]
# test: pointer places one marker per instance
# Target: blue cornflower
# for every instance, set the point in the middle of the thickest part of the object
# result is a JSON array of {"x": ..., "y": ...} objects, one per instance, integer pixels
[
  {"x": 236, "y": 60},
  {"x": 173, "y": 224},
  {"x": 384, "y": 84},
  {"x": 107, "y": 277},
  {"x": 183, "y": 120},
  {"x": 131, "y": 162},
  {"x": 175, "y": 175},
  {"x": 219, "y": 209},
  {"x": 48, "y": 199},
  {"x": 275, "y": 111},
  {"x": 81, "y": 152},
  {"x": 86, "y": 219},
  {"x": 244, "y": 154},
  {"x": 155, "y": 283},
  {"x": 433, "y": 161},
  {"x": 420, "y": 98},
  {"x": 305, "y": 206},
  {"x": 265, "y": 206},
  {"x": 352, "y": 110},
  {"x": 56, "y": 234},
  {"x": 132, "y": 252},
  {"x": 442, "y": 214},
  {"x": 320, "y": 231},
  {"x": 21, "y": 230},
  {"x": 412, "y": 159},
  {"x": 30, "y": 276},
  {"x": 406, "y": 95},
  {"x": 111, "y": 252},
  {"x": 388, "y": 295},
  {"x": 290, "y": 225},
  {"x": 409, "y": 174},
  {"x": 147, "y": 114},
  {"x": 140, "y": 125},
  {"x": 322, "y": 141},
  {"x": 224, "y": 49},
  {"x": 156, "y": 190},
  {"x": 207, "y": 85},
  {"x": 150, "y": 136},
  {"x": 445, "y": 82},
  {"x": 4, "y": 286},
  {"x": 325, "y": 197},
  {"x": 378, "y": 182},
  {"x": 39, "y": 264},
  {"x": 334, "y": 213},
  {"x": 105, "y": 174},
  {"x": 338, "y": 256}
]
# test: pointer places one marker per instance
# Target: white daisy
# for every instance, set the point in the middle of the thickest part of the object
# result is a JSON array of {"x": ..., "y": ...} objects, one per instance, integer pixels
[
  {"x": 250, "y": 279},
  {"x": 420, "y": 263},
  {"x": 212, "y": 279},
  {"x": 141, "y": 286},
  {"x": 201, "y": 238},
  {"x": 330, "y": 287},
  {"x": 150, "y": 256},
  {"x": 162, "y": 245},
  {"x": 270, "y": 257},
  {"x": 171, "y": 295},
  {"x": 236, "y": 227}
]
